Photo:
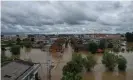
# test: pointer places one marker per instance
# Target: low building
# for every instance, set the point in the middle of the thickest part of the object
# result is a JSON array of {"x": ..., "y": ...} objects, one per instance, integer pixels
[
  {"x": 8, "y": 37},
  {"x": 20, "y": 70}
]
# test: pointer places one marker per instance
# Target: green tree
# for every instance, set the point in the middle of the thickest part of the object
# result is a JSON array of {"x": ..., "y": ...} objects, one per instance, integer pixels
[
  {"x": 72, "y": 67},
  {"x": 110, "y": 45},
  {"x": 109, "y": 60},
  {"x": 32, "y": 39},
  {"x": 89, "y": 62},
  {"x": 116, "y": 49},
  {"x": 28, "y": 47},
  {"x": 66, "y": 44},
  {"x": 93, "y": 47},
  {"x": 77, "y": 57},
  {"x": 102, "y": 44},
  {"x": 15, "y": 50},
  {"x": 129, "y": 37},
  {"x": 27, "y": 44},
  {"x": 18, "y": 41},
  {"x": 9, "y": 43},
  {"x": 122, "y": 63}
]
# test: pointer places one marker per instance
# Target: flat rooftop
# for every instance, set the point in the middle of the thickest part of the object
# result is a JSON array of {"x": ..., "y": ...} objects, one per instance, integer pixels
[{"x": 15, "y": 69}]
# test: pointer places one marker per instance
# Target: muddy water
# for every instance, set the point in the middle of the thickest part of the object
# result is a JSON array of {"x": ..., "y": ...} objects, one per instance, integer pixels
[
  {"x": 99, "y": 72},
  {"x": 38, "y": 56}
]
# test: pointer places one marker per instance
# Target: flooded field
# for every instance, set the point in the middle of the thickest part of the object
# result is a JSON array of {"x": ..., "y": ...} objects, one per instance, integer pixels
[{"x": 99, "y": 72}]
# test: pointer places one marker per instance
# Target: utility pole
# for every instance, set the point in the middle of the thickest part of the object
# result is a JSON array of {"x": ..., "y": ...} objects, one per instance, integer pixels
[{"x": 48, "y": 62}]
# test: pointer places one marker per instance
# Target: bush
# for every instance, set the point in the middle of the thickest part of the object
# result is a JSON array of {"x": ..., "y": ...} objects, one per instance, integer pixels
[
  {"x": 18, "y": 41},
  {"x": 102, "y": 44},
  {"x": 89, "y": 62},
  {"x": 110, "y": 45},
  {"x": 15, "y": 50},
  {"x": 109, "y": 60},
  {"x": 122, "y": 63},
  {"x": 116, "y": 49},
  {"x": 27, "y": 44},
  {"x": 76, "y": 57},
  {"x": 72, "y": 67}
]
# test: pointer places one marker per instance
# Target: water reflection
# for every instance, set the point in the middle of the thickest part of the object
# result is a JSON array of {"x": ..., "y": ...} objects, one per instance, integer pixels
[
  {"x": 109, "y": 76},
  {"x": 27, "y": 53},
  {"x": 122, "y": 76},
  {"x": 88, "y": 76}
]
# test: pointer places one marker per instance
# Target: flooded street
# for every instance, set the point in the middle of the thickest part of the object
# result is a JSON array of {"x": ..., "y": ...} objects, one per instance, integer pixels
[{"x": 98, "y": 73}]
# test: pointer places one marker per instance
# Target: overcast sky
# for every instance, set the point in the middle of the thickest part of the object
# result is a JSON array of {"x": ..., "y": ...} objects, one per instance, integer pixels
[{"x": 67, "y": 17}]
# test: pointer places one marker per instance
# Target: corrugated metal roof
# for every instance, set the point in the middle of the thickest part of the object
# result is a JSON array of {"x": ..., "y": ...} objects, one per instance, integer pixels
[{"x": 14, "y": 69}]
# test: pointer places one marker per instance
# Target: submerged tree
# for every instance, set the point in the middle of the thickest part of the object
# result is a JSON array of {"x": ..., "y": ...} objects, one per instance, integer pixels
[
  {"x": 18, "y": 41},
  {"x": 71, "y": 76},
  {"x": 15, "y": 50},
  {"x": 122, "y": 63},
  {"x": 110, "y": 45},
  {"x": 129, "y": 37},
  {"x": 72, "y": 70},
  {"x": 72, "y": 67},
  {"x": 66, "y": 44},
  {"x": 116, "y": 49},
  {"x": 76, "y": 57},
  {"x": 109, "y": 60},
  {"x": 89, "y": 62},
  {"x": 27, "y": 44},
  {"x": 102, "y": 44},
  {"x": 93, "y": 47}
]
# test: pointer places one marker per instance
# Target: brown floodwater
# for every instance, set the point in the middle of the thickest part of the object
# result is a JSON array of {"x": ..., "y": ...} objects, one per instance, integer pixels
[{"x": 98, "y": 73}]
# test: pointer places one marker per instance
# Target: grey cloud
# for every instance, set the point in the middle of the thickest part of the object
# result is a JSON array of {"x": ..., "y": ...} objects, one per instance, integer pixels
[{"x": 45, "y": 16}]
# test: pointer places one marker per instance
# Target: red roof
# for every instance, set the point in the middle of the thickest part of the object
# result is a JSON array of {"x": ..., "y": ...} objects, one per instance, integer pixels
[{"x": 99, "y": 50}]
